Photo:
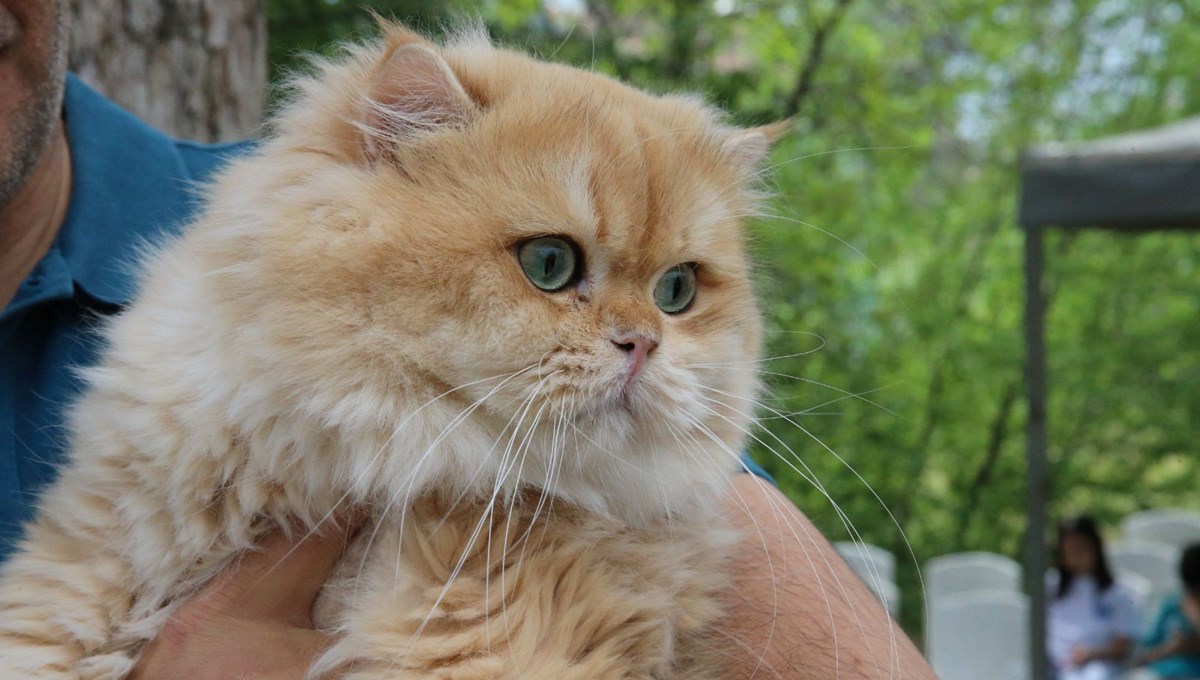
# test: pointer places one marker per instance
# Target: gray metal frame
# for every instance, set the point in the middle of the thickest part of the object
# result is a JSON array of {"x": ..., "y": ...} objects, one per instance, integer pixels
[
  {"x": 1037, "y": 489},
  {"x": 1139, "y": 182}
]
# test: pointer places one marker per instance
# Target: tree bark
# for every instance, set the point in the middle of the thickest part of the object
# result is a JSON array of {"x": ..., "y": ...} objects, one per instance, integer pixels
[{"x": 195, "y": 69}]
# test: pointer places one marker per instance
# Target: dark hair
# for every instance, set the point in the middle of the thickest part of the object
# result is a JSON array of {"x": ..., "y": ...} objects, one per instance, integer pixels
[
  {"x": 1189, "y": 568},
  {"x": 1085, "y": 526}
]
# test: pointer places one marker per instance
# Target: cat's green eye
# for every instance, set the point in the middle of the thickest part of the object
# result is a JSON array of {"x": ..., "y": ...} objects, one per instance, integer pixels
[
  {"x": 550, "y": 262},
  {"x": 676, "y": 290}
]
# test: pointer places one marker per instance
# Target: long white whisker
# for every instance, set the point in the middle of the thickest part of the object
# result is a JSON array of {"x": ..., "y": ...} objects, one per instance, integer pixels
[
  {"x": 849, "y": 525},
  {"x": 780, "y": 513},
  {"x": 812, "y": 410},
  {"x": 374, "y": 458},
  {"x": 837, "y": 238},
  {"x": 763, "y": 360},
  {"x": 489, "y": 508}
]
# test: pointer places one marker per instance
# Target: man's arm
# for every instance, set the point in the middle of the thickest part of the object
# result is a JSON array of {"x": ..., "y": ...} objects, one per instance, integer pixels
[{"x": 797, "y": 611}]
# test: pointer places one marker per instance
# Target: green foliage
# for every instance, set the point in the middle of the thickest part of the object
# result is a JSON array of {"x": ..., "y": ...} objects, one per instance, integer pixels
[{"x": 892, "y": 245}]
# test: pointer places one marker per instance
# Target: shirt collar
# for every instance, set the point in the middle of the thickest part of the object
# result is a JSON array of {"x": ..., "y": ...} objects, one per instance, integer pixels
[{"x": 129, "y": 185}]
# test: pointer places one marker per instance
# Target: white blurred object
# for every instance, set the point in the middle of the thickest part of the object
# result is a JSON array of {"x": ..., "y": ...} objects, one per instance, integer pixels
[
  {"x": 981, "y": 635},
  {"x": 1141, "y": 588},
  {"x": 888, "y": 594},
  {"x": 1170, "y": 526},
  {"x": 1158, "y": 563},
  {"x": 877, "y": 568},
  {"x": 868, "y": 561},
  {"x": 970, "y": 571}
]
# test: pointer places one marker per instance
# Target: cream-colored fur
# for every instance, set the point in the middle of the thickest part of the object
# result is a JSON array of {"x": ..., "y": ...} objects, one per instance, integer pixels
[
  {"x": 346, "y": 324},
  {"x": 543, "y": 591}
]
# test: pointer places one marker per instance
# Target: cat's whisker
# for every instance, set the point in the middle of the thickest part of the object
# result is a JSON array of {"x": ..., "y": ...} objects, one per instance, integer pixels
[
  {"x": 848, "y": 466},
  {"x": 780, "y": 514},
  {"x": 454, "y": 422},
  {"x": 765, "y": 170},
  {"x": 543, "y": 496},
  {"x": 740, "y": 499},
  {"x": 412, "y": 475},
  {"x": 557, "y": 441},
  {"x": 849, "y": 525},
  {"x": 893, "y": 649},
  {"x": 488, "y": 509},
  {"x": 312, "y": 531},
  {"x": 829, "y": 152},
  {"x": 662, "y": 488},
  {"x": 763, "y": 360},
  {"x": 552, "y": 489},
  {"x": 846, "y": 393},
  {"x": 462, "y": 494},
  {"x": 489, "y": 514},
  {"x": 807, "y": 474},
  {"x": 844, "y": 242},
  {"x": 602, "y": 448},
  {"x": 401, "y": 657},
  {"x": 813, "y": 410},
  {"x": 523, "y": 453},
  {"x": 470, "y": 484}
]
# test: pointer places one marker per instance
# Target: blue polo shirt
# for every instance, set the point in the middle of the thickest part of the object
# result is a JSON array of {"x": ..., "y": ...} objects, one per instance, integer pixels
[{"x": 131, "y": 185}]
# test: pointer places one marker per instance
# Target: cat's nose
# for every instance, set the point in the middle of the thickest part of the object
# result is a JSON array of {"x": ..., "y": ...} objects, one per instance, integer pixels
[{"x": 637, "y": 349}]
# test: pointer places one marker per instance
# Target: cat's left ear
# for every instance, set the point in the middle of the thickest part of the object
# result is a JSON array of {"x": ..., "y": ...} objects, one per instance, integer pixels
[
  {"x": 414, "y": 92},
  {"x": 748, "y": 147}
]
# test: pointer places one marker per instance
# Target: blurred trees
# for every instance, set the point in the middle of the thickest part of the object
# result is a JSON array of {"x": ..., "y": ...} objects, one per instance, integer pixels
[{"x": 892, "y": 246}]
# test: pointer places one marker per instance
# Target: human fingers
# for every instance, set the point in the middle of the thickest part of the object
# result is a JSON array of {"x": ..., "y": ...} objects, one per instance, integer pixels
[{"x": 281, "y": 579}]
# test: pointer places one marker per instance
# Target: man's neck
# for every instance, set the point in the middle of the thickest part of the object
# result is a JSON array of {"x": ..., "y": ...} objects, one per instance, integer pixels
[{"x": 31, "y": 219}]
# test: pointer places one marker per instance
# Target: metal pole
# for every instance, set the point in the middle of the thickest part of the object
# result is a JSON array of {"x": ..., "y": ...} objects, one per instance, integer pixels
[{"x": 1035, "y": 434}]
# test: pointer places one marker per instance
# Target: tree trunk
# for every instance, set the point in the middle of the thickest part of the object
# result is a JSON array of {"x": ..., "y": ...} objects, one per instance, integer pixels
[{"x": 195, "y": 69}]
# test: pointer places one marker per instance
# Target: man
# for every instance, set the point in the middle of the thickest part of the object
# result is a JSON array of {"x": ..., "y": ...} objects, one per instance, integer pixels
[{"x": 81, "y": 185}]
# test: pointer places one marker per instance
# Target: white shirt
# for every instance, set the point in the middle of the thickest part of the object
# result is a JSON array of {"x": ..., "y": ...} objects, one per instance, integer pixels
[{"x": 1086, "y": 617}]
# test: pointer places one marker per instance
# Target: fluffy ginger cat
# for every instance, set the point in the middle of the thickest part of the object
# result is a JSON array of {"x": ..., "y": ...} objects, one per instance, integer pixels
[{"x": 503, "y": 304}]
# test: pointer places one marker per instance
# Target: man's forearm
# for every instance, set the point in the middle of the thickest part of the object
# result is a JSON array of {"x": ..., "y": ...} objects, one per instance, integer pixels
[{"x": 797, "y": 611}]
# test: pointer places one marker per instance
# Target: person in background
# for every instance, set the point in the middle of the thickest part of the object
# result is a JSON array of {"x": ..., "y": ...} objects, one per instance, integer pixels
[
  {"x": 1092, "y": 619},
  {"x": 1171, "y": 647}
]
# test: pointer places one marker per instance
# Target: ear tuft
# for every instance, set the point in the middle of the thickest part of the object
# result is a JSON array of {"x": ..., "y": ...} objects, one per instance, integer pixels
[
  {"x": 747, "y": 148},
  {"x": 413, "y": 93}
]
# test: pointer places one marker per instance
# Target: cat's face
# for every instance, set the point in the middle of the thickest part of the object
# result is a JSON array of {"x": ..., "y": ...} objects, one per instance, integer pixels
[{"x": 554, "y": 253}]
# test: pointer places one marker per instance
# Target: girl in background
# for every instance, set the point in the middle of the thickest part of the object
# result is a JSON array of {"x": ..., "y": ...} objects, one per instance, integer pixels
[{"x": 1092, "y": 619}]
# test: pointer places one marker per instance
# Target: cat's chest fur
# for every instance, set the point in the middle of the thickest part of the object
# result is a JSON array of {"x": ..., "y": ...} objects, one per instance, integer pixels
[{"x": 531, "y": 590}]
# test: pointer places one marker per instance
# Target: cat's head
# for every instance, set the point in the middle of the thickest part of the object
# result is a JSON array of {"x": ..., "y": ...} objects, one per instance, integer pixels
[{"x": 559, "y": 256}]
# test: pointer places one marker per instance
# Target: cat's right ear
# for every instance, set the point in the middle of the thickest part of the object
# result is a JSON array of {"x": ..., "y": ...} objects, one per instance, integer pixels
[{"x": 413, "y": 93}]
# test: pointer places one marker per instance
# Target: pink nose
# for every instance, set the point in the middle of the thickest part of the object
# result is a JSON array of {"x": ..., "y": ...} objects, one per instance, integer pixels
[{"x": 637, "y": 349}]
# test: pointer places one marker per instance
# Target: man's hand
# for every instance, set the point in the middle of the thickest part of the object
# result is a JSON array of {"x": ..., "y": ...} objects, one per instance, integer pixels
[
  {"x": 797, "y": 611},
  {"x": 252, "y": 621}
]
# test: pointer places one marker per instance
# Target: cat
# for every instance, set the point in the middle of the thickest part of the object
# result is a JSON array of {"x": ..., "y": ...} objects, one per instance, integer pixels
[{"x": 501, "y": 303}]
